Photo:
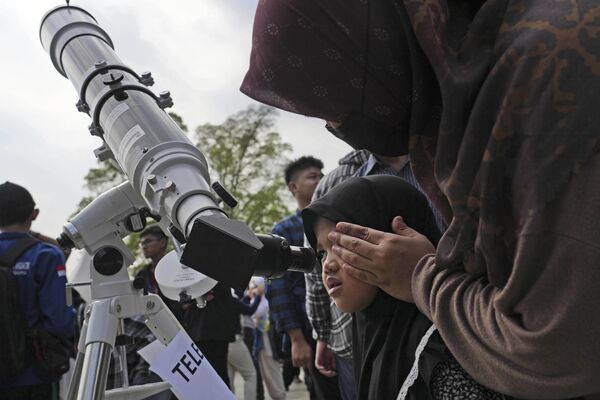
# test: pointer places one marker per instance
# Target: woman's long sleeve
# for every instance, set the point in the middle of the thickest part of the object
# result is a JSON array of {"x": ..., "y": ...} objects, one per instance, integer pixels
[{"x": 539, "y": 335}]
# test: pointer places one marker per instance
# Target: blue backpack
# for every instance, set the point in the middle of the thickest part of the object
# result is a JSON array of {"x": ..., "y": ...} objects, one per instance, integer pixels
[{"x": 15, "y": 340}]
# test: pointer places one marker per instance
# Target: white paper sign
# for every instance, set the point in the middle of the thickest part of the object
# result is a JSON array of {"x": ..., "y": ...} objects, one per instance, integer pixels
[
  {"x": 183, "y": 365},
  {"x": 152, "y": 351}
]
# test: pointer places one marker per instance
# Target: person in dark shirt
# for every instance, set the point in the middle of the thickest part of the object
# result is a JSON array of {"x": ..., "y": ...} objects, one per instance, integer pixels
[{"x": 287, "y": 295}]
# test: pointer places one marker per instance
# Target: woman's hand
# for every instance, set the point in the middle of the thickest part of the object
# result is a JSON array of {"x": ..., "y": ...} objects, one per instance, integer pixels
[{"x": 382, "y": 259}]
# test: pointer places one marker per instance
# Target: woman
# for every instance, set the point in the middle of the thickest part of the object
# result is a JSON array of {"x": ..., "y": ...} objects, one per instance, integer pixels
[
  {"x": 495, "y": 103},
  {"x": 269, "y": 367}
]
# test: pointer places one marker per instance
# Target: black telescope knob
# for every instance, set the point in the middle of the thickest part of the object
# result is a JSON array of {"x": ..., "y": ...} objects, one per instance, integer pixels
[
  {"x": 177, "y": 234},
  {"x": 139, "y": 282},
  {"x": 146, "y": 78},
  {"x": 113, "y": 79},
  {"x": 224, "y": 194}
]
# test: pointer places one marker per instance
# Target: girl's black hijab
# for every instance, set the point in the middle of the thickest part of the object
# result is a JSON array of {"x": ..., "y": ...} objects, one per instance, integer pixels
[{"x": 373, "y": 201}]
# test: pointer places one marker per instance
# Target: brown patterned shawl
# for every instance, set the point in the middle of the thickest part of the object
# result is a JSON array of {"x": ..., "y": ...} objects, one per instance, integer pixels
[{"x": 514, "y": 284}]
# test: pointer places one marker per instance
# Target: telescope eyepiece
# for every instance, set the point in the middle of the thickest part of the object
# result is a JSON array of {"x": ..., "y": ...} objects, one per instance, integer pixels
[{"x": 277, "y": 256}]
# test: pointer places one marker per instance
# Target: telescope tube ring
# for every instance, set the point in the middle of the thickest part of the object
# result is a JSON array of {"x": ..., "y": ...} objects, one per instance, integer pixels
[
  {"x": 96, "y": 129},
  {"x": 95, "y": 71}
]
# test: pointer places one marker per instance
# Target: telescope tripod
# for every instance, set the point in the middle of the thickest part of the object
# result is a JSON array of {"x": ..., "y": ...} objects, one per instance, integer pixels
[{"x": 112, "y": 301}]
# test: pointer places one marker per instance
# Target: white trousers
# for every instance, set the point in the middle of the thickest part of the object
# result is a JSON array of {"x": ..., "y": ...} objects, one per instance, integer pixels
[
  {"x": 271, "y": 371},
  {"x": 240, "y": 360}
]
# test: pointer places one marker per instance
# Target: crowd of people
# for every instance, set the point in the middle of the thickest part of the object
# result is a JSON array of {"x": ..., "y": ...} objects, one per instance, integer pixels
[
  {"x": 281, "y": 333},
  {"x": 457, "y": 244}
]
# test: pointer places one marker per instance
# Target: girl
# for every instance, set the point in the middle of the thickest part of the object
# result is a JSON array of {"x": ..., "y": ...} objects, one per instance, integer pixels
[{"x": 387, "y": 332}]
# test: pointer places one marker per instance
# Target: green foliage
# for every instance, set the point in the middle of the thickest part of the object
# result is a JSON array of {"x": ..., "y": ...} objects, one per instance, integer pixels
[{"x": 248, "y": 158}]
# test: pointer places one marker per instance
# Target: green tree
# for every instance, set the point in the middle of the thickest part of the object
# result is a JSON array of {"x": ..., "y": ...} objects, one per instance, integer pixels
[{"x": 248, "y": 158}]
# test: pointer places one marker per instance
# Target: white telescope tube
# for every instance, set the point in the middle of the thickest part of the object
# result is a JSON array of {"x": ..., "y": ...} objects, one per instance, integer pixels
[{"x": 162, "y": 165}]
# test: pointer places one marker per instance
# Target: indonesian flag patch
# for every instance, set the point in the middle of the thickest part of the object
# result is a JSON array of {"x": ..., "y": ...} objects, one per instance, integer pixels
[{"x": 61, "y": 271}]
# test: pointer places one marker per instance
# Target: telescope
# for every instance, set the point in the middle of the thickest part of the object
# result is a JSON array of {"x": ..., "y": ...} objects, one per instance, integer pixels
[
  {"x": 168, "y": 180},
  {"x": 165, "y": 169}
]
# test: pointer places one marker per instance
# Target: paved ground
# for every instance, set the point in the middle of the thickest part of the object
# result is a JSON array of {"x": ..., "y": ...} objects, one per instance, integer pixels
[{"x": 297, "y": 390}]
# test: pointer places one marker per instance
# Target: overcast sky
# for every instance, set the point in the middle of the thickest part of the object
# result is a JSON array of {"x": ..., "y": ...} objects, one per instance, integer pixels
[{"x": 197, "y": 49}]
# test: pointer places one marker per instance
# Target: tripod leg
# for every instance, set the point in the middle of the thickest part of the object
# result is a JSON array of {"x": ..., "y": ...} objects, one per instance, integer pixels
[
  {"x": 95, "y": 371},
  {"x": 160, "y": 320},
  {"x": 100, "y": 338},
  {"x": 75, "y": 378},
  {"x": 74, "y": 383},
  {"x": 123, "y": 356}
]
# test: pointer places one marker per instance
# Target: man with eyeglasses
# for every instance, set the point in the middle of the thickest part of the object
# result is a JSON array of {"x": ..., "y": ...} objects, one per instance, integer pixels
[{"x": 154, "y": 246}]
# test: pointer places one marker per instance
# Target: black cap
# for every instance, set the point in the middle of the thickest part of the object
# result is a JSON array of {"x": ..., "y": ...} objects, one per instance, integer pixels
[{"x": 16, "y": 204}]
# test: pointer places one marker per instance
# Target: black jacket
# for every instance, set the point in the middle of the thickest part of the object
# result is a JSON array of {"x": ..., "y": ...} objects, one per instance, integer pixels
[{"x": 213, "y": 322}]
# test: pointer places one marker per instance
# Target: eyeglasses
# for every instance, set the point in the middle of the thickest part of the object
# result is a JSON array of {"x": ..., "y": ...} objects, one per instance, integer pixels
[{"x": 147, "y": 241}]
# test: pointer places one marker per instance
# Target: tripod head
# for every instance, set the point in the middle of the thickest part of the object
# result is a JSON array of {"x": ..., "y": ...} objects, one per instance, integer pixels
[
  {"x": 99, "y": 229},
  {"x": 168, "y": 176}
]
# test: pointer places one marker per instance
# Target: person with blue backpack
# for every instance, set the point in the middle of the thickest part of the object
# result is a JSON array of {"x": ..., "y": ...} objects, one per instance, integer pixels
[{"x": 33, "y": 306}]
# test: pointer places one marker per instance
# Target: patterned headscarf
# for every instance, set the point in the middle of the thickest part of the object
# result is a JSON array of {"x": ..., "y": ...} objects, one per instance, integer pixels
[
  {"x": 336, "y": 61},
  {"x": 517, "y": 118}
]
